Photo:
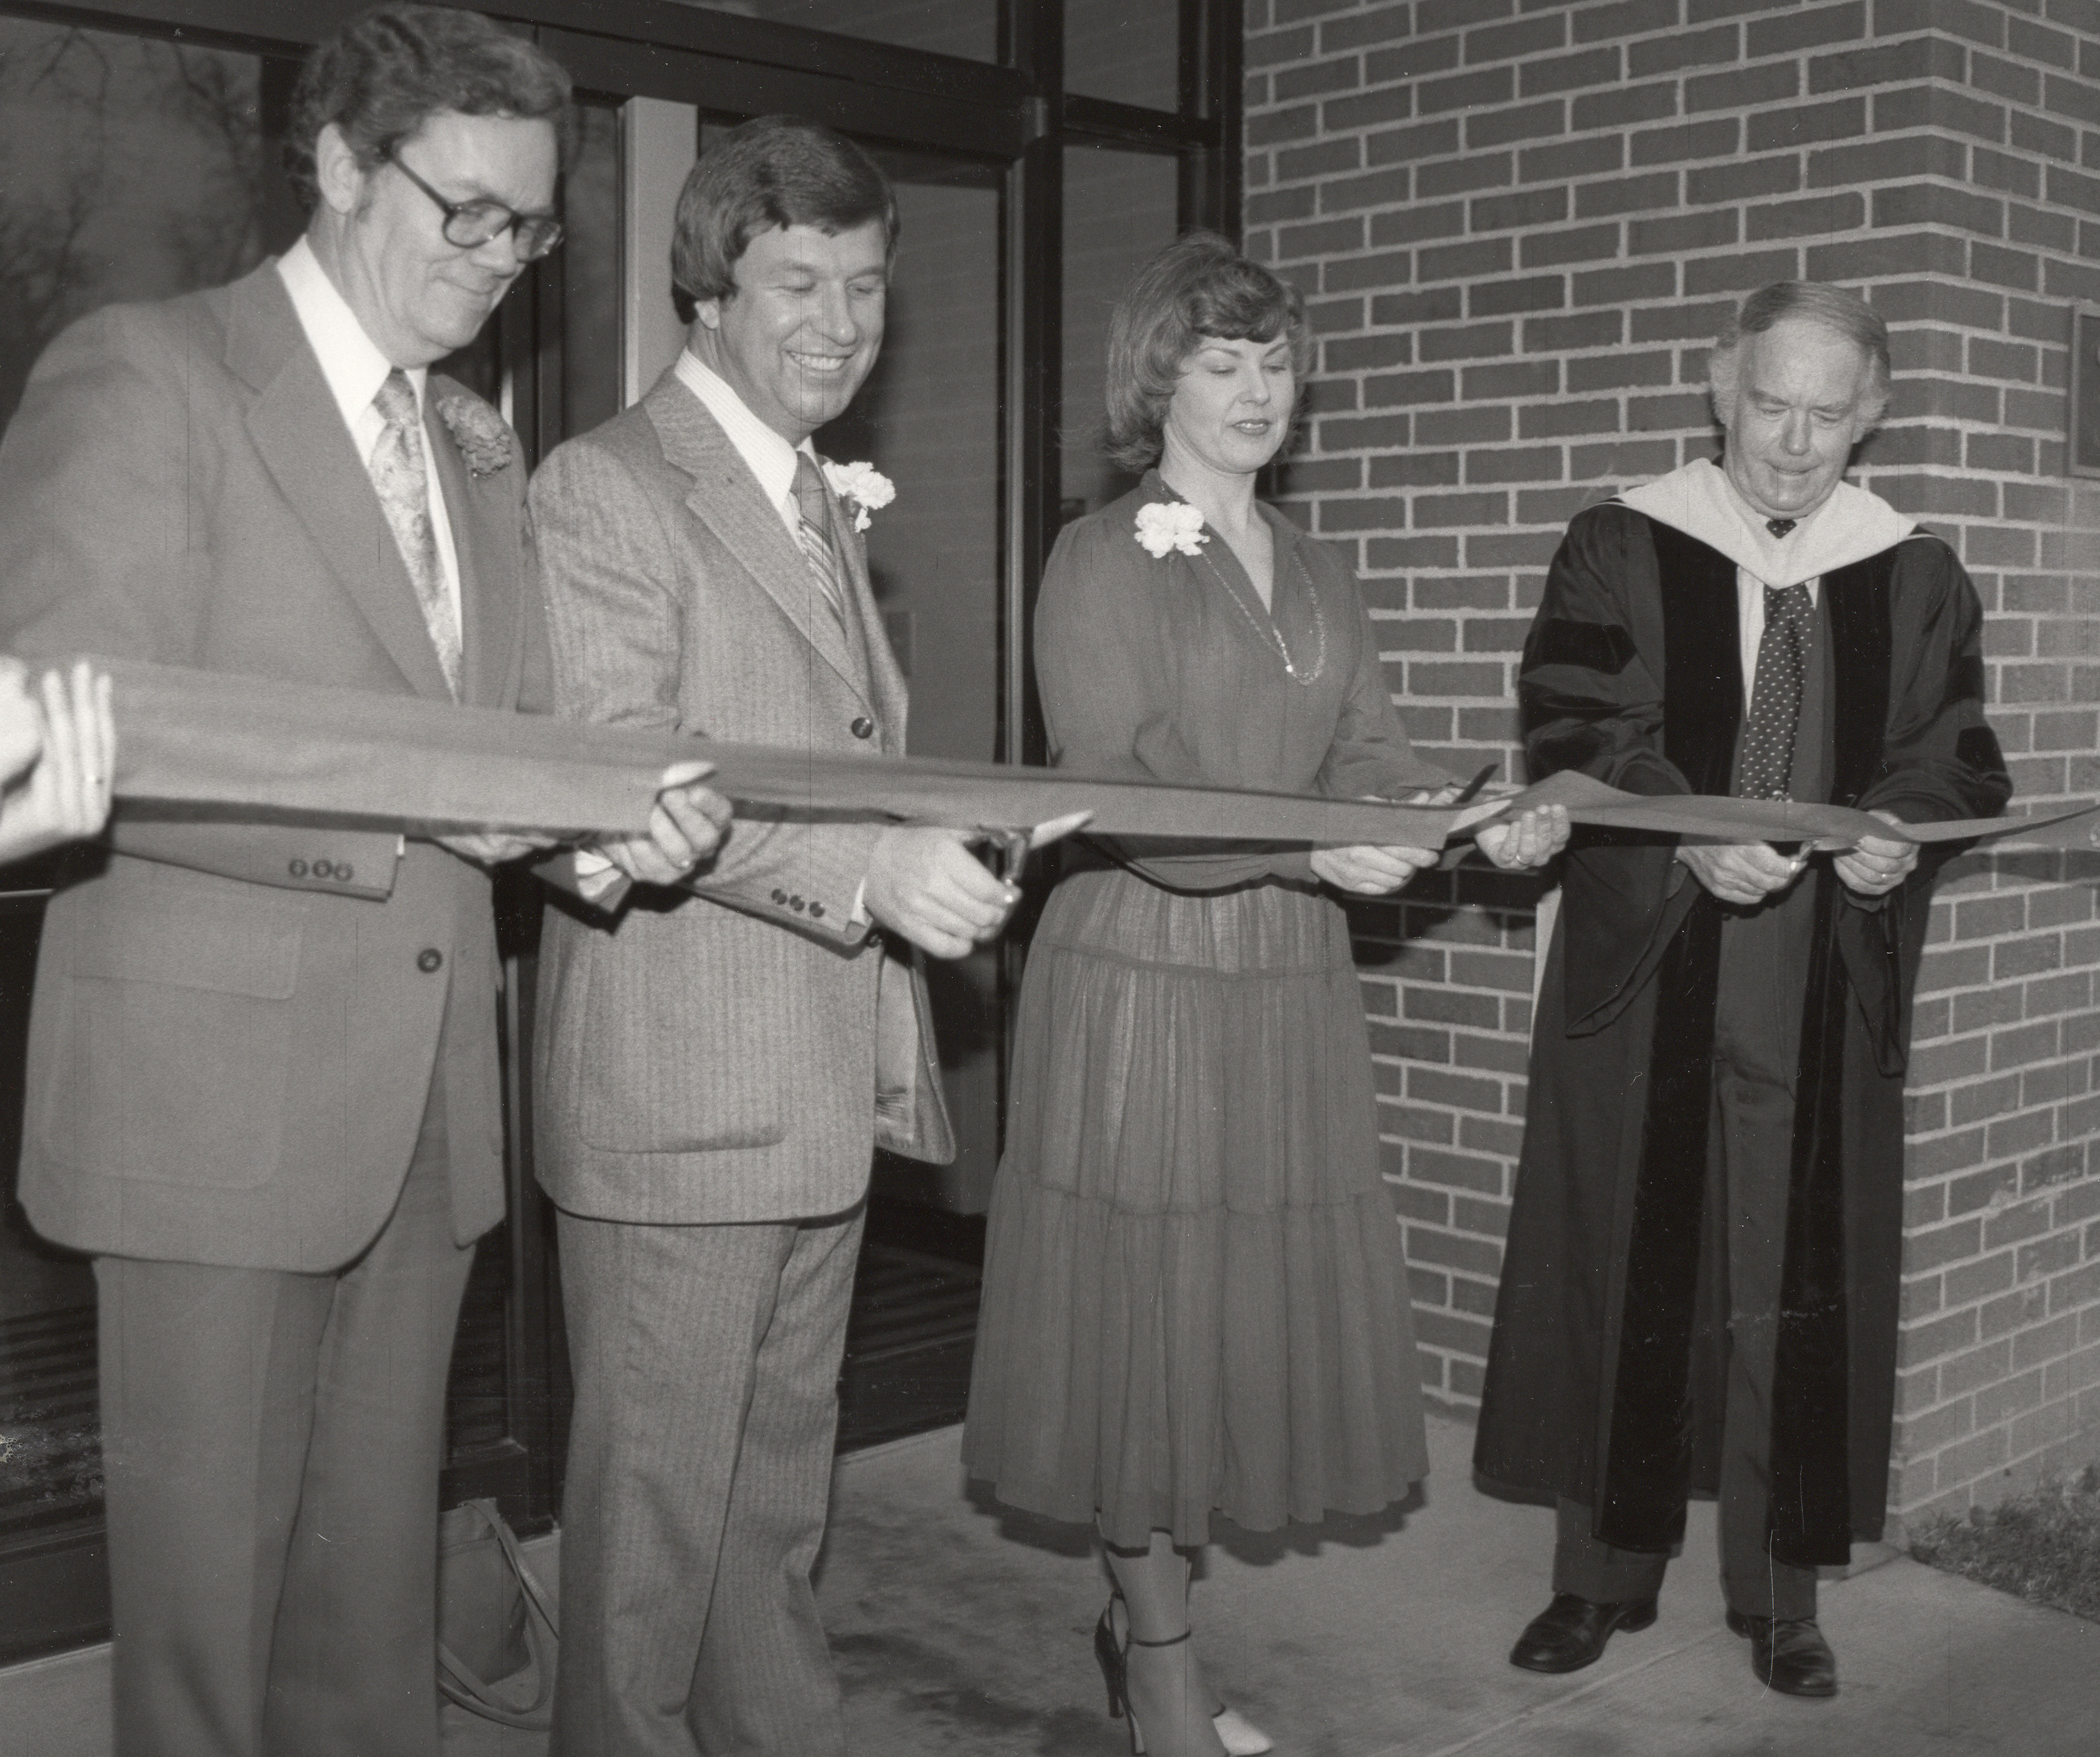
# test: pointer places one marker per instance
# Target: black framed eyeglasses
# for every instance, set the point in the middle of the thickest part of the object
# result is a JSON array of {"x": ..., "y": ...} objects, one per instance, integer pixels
[{"x": 468, "y": 225}]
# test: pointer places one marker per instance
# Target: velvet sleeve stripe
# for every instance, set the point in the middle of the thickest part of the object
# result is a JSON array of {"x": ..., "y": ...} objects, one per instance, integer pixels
[{"x": 1603, "y": 648}]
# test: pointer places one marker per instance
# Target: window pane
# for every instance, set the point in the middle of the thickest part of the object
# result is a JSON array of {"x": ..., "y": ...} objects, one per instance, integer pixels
[
  {"x": 130, "y": 168},
  {"x": 1119, "y": 208},
  {"x": 589, "y": 261},
  {"x": 967, "y": 28},
  {"x": 1126, "y": 50},
  {"x": 928, "y": 418},
  {"x": 51, "y": 1450}
]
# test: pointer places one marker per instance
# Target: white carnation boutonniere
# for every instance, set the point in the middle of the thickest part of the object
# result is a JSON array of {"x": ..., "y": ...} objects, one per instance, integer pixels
[
  {"x": 484, "y": 436},
  {"x": 862, "y": 487},
  {"x": 1165, "y": 525}
]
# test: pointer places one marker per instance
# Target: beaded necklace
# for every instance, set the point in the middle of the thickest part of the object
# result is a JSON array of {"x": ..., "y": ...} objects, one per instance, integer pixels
[{"x": 1304, "y": 679}]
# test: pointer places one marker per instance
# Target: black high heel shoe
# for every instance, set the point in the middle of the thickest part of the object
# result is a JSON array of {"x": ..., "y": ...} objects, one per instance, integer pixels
[
  {"x": 1114, "y": 1659},
  {"x": 1239, "y": 1737},
  {"x": 1115, "y": 1667}
]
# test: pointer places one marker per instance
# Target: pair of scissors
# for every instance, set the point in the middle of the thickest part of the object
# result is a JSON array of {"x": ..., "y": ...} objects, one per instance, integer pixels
[
  {"x": 1005, "y": 852},
  {"x": 1471, "y": 790}
]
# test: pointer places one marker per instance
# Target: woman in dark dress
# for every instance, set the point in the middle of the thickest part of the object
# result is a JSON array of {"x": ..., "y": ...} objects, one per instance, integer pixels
[{"x": 1195, "y": 1295}]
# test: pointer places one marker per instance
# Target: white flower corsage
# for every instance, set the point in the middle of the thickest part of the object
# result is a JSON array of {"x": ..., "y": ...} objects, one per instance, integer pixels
[
  {"x": 1162, "y": 525},
  {"x": 483, "y": 436},
  {"x": 862, "y": 487}
]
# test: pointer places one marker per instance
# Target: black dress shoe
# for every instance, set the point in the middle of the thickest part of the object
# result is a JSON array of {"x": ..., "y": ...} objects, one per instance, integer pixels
[
  {"x": 1788, "y": 1653},
  {"x": 1570, "y": 1633}
]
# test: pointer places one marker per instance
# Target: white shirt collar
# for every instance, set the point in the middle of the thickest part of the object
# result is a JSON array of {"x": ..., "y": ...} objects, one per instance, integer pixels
[
  {"x": 350, "y": 362},
  {"x": 770, "y": 457}
]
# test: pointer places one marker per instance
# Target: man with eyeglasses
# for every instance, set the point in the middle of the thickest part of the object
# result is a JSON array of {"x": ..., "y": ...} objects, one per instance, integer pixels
[
  {"x": 263, "y": 1069},
  {"x": 468, "y": 225}
]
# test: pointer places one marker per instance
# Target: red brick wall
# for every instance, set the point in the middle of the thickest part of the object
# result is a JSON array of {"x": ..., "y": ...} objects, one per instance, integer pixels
[{"x": 1517, "y": 224}]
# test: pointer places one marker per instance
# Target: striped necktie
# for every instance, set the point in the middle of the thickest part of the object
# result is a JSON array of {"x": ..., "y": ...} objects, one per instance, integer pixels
[
  {"x": 1775, "y": 693},
  {"x": 400, "y": 475},
  {"x": 814, "y": 534}
]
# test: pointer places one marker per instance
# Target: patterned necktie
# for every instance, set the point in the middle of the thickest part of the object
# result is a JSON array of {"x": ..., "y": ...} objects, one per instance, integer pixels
[
  {"x": 1775, "y": 695},
  {"x": 399, "y": 474},
  {"x": 814, "y": 534}
]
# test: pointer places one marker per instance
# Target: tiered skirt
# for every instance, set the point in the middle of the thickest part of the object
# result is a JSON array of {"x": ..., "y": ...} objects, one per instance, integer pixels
[{"x": 1195, "y": 1300}]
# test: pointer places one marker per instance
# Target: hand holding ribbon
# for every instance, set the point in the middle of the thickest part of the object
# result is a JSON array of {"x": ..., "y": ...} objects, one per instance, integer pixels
[
  {"x": 1740, "y": 872},
  {"x": 58, "y": 749},
  {"x": 1368, "y": 870},
  {"x": 687, "y": 824},
  {"x": 1521, "y": 843},
  {"x": 1875, "y": 865}
]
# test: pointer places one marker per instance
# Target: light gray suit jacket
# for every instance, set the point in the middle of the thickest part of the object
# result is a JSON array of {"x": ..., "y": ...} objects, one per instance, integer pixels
[
  {"x": 232, "y": 1038},
  {"x": 711, "y": 1052}
]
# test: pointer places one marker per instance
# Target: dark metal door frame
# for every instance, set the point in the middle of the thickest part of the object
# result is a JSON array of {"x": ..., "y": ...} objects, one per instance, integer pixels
[{"x": 1017, "y": 114}]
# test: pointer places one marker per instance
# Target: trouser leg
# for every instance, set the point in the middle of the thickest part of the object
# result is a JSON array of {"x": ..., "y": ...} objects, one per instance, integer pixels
[
  {"x": 207, "y": 1403},
  {"x": 699, "y": 1464},
  {"x": 353, "y": 1671},
  {"x": 1756, "y": 1132},
  {"x": 1590, "y": 1568},
  {"x": 764, "y": 1683}
]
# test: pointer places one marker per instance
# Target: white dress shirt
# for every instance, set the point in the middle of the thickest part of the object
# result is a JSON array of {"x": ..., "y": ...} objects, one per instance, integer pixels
[
  {"x": 770, "y": 457},
  {"x": 355, "y": 369}
]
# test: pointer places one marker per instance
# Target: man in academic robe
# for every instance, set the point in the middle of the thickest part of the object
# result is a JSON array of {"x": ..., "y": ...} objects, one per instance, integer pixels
[
  {"x": 1700, "y": 1285},
  {"x": 263, "y": 1084},
  {"x": 721, "y": 1047}
]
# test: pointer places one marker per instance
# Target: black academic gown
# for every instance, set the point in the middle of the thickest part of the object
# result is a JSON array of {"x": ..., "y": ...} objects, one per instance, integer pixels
[{"x": 1603, "y": 1379}]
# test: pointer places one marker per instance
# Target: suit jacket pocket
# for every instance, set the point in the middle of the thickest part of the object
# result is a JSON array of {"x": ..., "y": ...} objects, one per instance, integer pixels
[
  {"x": 683, "y": 1056},
  {"x": 173, "y": 1042},
  {"x": 911, "y": 1109}
]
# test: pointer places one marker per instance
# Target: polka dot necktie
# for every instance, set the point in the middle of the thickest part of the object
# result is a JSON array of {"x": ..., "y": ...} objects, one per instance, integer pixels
[{"x": 1775, "y": 695}]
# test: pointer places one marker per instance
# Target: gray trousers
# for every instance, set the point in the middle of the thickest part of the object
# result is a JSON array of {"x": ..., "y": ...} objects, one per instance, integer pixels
[
  {"x": 707, "y": 1362},
  {"x": 270, "y": 1444}
]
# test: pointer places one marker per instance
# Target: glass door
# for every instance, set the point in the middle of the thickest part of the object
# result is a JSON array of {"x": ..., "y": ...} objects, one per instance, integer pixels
[
  {"x": 928, "y": 418},
  {"x": 131, "y": 167},
  {"x": 138, "y": 158}
]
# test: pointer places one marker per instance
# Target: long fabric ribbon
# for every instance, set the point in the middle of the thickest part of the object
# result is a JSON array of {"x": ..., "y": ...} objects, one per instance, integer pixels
[
  {"x": 255, "y": 747},
  {"x": 217, "y": 743},
  {"x": 205, "y": 743},
  {"x": 1780, "y": 820}
]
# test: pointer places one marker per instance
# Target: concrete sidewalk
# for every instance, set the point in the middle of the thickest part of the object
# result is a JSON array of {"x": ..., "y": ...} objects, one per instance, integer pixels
[{"x": 960, "y": 1627}]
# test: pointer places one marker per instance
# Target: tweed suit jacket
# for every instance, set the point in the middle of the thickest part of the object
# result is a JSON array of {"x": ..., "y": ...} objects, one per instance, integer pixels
[
  {"x": 710, "y": 1053},
  {"x": 235, "y": 1026}
]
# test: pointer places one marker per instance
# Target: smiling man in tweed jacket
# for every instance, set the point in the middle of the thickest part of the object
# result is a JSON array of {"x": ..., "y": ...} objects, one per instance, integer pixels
[{"x": 715, "y": 1058}]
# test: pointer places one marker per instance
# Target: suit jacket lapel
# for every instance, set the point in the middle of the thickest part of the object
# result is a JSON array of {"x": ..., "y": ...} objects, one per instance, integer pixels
[
  {"x": 485, "y": 537},
  {"x": 726, "y": 497},
  {"x": 884, "y": 686},
  {"x": 299, "y": 433}
]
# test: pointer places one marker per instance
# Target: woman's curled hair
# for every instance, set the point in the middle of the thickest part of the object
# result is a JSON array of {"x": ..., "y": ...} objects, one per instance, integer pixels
[{"x": 1199, "y": 287}]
